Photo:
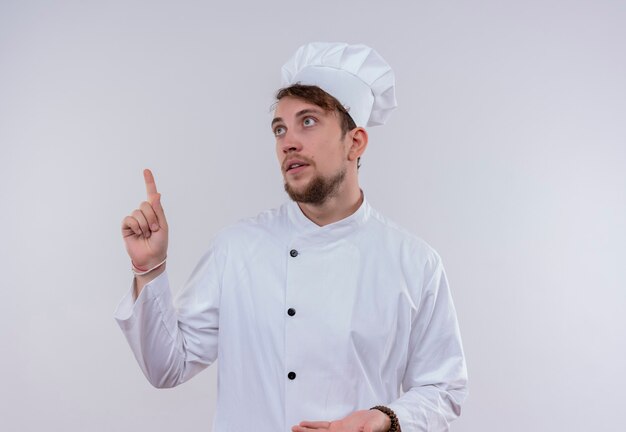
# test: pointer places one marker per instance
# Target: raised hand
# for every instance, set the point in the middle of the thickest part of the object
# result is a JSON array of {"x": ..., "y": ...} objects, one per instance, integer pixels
[{"x": 145, "y": 230}]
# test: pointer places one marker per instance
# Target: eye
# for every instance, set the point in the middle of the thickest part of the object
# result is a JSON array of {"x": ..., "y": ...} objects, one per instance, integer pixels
[
  {"x": 309, "y": 121},
  {"x": 279, "y": 130}
]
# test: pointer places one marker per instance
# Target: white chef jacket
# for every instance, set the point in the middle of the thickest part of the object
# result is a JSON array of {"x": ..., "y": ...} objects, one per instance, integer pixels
[{"x": 308, "y": 323}]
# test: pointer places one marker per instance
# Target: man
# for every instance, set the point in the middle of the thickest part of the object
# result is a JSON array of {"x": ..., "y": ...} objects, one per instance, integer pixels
[{"x": 323, "y": 314}]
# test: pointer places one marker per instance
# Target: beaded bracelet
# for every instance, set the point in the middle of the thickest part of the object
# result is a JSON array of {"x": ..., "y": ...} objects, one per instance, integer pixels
[{"x": 395, "y": 425}]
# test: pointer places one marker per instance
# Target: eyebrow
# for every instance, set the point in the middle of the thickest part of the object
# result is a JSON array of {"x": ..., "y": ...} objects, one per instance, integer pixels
[{"x": 299, "y": 114}]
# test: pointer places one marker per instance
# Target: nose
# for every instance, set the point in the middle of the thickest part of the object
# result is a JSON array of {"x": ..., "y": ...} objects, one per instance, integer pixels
[{"x": 290, "y": 142}]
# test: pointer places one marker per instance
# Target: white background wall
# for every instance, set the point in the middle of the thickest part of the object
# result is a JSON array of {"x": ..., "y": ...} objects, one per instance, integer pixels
[{"x": 507, "y": 154}]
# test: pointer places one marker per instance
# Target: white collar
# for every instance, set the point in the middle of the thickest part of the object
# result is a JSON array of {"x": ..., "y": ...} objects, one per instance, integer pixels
[{"x": 303, "y": 227}]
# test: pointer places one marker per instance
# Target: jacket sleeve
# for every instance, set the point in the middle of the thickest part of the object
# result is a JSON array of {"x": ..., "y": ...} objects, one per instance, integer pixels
[
  {"x": 435, "y": 381},
  {"x": 174, "y": 340}
]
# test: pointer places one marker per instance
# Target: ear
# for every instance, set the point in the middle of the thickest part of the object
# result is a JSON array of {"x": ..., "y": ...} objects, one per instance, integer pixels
[{"x": 358, "y": 144}]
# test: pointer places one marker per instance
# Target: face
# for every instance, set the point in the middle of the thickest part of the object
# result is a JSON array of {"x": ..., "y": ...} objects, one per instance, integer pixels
[{"x": 311, "y": 151}]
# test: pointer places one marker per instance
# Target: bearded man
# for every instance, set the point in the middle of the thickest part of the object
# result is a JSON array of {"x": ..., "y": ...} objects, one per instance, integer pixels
[{"x": 324, "y": 315}]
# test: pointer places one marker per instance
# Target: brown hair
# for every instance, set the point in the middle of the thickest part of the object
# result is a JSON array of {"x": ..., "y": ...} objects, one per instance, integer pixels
[{"x": 319, "y": 97}]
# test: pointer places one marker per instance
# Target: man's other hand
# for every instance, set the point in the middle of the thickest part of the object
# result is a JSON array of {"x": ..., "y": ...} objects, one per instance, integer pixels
[{"x": 358, "y": 421}]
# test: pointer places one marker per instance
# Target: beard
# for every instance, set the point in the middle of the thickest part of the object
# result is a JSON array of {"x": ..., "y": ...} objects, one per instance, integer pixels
[{"x": 318, "y": 190}]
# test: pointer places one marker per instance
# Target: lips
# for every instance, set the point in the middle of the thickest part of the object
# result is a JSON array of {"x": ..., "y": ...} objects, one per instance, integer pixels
[{"x": 294, "y": 165}]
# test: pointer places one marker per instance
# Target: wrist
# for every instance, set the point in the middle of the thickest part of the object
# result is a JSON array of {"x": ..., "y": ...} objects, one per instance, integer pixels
[
  {"x": 393, "y": 425},
  {"x": 141, "y": 271},
  {"x": 141, "y": 281}
]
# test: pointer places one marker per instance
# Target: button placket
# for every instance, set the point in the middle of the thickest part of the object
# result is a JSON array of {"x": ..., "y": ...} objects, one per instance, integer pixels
[
  {"x": 294, "y": 366},
  {"x": 291, "y": 291}
]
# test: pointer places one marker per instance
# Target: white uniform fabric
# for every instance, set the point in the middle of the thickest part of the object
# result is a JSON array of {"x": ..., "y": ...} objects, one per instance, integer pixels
[{"x": 373, "y": 315}]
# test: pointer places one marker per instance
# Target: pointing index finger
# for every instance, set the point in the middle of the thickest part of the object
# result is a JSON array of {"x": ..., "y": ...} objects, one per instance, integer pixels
[{"x": 151, "y": 188}]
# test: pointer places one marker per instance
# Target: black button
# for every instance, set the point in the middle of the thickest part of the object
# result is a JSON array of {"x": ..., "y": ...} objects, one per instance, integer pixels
[
  {"x": 293, "y": 253},
  {"x": 291, "y": 375},
  {"x": 291, "y": 311}
]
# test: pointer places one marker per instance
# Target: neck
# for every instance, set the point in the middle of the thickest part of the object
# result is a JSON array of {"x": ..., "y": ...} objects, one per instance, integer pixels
[{"x": 335, "y": 208}]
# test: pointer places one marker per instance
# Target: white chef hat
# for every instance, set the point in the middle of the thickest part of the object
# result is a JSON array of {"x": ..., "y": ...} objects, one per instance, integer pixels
[{"x": 356, "y": 75}]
